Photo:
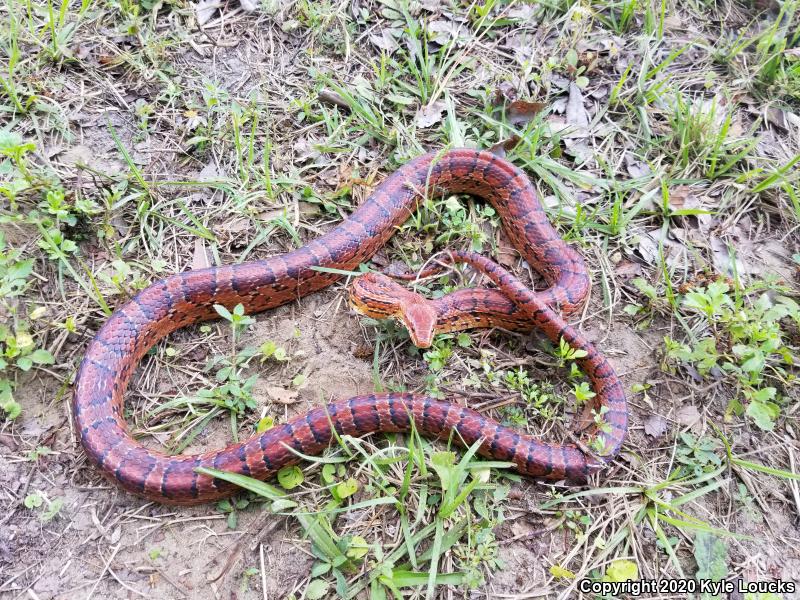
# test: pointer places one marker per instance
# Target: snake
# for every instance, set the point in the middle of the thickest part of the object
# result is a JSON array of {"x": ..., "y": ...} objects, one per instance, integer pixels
[{"x": 188, "y": 297}]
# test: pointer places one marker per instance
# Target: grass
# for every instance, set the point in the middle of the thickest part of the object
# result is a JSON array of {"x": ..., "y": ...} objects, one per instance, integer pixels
[
  {"x": 134, "y": 145},
  {"x": 462, "y": 501},
  {"x": 762, "y": 56}
]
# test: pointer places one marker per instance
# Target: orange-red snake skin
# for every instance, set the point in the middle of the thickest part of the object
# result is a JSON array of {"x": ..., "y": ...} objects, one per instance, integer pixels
[{"x": 188, "y": 297}]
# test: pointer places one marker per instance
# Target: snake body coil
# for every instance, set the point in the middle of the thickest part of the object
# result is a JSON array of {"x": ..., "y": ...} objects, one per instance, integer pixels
[{"x": 188, "y": 297}]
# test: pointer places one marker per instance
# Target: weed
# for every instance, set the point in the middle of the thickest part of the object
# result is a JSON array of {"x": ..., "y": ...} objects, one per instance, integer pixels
[
  {"x": 465, "y": 509},
  {"x": 39, "y": 500},
  {"x": 762, "y": 59},
  {"x": 566, "y": 353},
  {"x": 702, "y": 140},
  {"x": 697, "y": 455},
  {"x": 18, "y": 349},
  {"x": 233, "y": 392},
  {"x": 744, "y": 342},
  {"x": 539, "y": 399}
]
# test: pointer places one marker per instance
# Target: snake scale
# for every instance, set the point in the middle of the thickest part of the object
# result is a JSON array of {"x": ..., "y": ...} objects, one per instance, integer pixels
[{"x": 189, "y": 297}]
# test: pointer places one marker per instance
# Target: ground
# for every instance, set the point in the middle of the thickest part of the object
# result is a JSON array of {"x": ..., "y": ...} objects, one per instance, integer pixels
[{"x": 139, "y": 139}]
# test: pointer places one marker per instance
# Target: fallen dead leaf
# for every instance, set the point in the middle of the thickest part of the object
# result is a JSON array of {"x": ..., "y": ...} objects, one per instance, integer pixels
[
  {"x": 505, "y": 93},
  {"x": 428, "y": 116},
  {"x": 520, "y": 112},
  {"x": 636, "y": 168},
  {"x": 281, "y": 395},
  {"x": 204, "y": 10},
  {"x": 688, "y": 415},
  {"x": 678, "y": 196},
  {"x": 501, "y": 148},
  {"x": 655, "y": 426},
  {"x": 627, "y": 269},
  {"x": 384, "y": 41},
  {"x": 442, "y": 31},
  {"x": 576, "y": 115},
  {"x": 506, "y": 253},
  {"x": 200, "y": 256}
]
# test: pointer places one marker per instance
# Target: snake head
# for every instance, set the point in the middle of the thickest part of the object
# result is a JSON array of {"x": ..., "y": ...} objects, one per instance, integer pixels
[{"x": 376, "y": 295}]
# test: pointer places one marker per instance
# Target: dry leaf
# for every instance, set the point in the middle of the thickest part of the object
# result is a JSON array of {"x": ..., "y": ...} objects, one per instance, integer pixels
[
  {"x": 428, "y": 116},
  {"x": 579, "y": 149},
  {"x": 628, "y": 269},
  {"x": 281, "y": 395},
  {"x": 501, "y": 148},
  {"x": 675, "y": 253},
  {"x": 305, "y": 150},
  {"x": 655, "y": 426},
  {"x": 200, "y": 256},
  {"x": 505, "y": 93},
  {"x": 688, "y": 415},
  {"x": 204, "y": 10},
  {"x": 721, "y": 257},
  {"x": 636, "y": 168},
  {"x": 520, "y": 112},
  {"x": 576, "y": 115},
  {"x": 678, "y": 196},
  {"x": 782, "y": 119},
  {"x": 442, "y": 31},
  {"x": 384, "y": 40},
  {"x": 506, "y": 253}
]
